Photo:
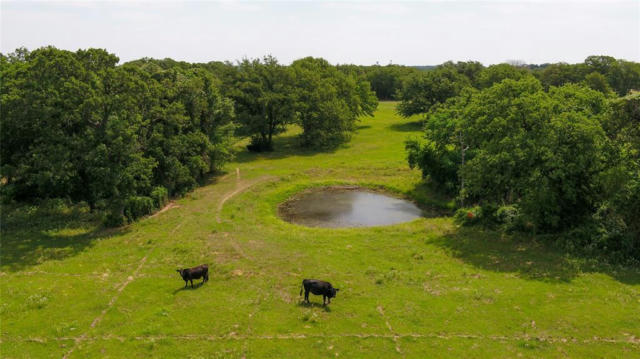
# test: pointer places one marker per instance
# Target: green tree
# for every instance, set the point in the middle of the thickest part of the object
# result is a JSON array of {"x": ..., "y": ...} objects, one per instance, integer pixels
[
  {"x": 424, "y": 90},
  {"x": 621, "y": 75},
  {"x": 78, "y": 126},
  {"x": 43, "y": 95},
  {"x": 497, "y": 73},
  {"x": 598, "y": 82},
  {"x": 560, "y": 74},
  {"x": 445, "y": 146},
  {"x": 386, "y": 81},
  {"x": 622, "y": 182},
  {"x": 329, "y": 102},
  {"x": 470, "y": 69},
  {"x": 264, "y": 98},
  {"x": 542, "y": 151}
]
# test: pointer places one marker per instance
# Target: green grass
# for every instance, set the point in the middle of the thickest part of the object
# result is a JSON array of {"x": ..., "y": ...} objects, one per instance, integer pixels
[{"x": 426, "y": 288}]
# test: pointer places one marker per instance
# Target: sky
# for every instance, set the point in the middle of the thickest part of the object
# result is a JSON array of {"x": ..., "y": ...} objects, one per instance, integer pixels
[{"x": 358, "y": 32}]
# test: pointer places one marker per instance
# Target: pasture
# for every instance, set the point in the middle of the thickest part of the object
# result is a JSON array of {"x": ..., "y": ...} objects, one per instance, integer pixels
[{"x": 426, "y": 288}]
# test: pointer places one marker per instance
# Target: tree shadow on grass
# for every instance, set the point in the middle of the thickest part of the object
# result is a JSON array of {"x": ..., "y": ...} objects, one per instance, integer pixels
[
  {"x": 283, "y": 147},
  {"x": 413, "y": 126},
  {"x": 432, "y": 201},
  {"x": 213, "y": 178},
  {"x": 33, "y": 235},
  {"x": 304, "y": 304},
  {"x": 525, "y": 256}
]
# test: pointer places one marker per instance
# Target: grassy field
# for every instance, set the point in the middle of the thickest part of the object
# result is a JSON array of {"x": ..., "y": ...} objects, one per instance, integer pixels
[{"x": 426, "y": 288}]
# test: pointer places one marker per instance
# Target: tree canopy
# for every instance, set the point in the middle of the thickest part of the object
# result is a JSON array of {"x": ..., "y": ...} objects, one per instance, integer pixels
[
  {"x": 264, "y": 97},
  {"x": 329, "y": 102},
  {"x": 560, "y": 157},
  {"x": 75, "y": 125},
  {"x": 423, "y": 91}
]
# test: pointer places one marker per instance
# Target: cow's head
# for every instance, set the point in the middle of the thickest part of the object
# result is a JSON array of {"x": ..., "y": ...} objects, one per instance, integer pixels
[
  {"x": 180, "y": 271},
  {"x": 333, "y": 292}
]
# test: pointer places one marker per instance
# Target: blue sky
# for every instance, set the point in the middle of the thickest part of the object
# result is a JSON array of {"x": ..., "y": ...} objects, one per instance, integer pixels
[{"x": 362, "y": 32}]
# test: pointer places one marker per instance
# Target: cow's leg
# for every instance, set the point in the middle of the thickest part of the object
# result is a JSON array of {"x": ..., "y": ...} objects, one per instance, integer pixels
[
  {"x": 306, "y": 295},
  {"x": 186, "y": 282},
  {"x": 324, "y": 299},
  {"x": 191, "y": 282}
]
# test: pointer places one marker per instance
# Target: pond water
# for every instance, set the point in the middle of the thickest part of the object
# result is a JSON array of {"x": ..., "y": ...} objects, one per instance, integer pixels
[{"x": 347, "y": 207}]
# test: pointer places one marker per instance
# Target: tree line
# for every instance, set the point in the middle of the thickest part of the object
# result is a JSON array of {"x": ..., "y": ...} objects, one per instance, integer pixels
[
  {"x": 418, "y": 87},
  {"x": 552, "y": 151},
  {"x": 124, "y": 138}
]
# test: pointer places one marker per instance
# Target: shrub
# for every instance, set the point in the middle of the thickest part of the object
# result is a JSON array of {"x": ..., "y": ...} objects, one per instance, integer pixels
[
  {"x": 114, "y": 219},
  {"x": 436, "y": 162},
  {"x": 468, "y": 216},
  {"x": 160, "y": 196},
  {"x": 137, "y": 206},
  {"x": 507, "y": 215},
  {"x": 7, "y": 193},
  {"x": 490, "y": 213}
]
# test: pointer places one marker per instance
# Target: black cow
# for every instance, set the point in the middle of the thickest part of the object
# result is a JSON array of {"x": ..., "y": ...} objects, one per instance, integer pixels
[
  {"x": 318, "y": 287},
  {"x": 189, "y": 274}
]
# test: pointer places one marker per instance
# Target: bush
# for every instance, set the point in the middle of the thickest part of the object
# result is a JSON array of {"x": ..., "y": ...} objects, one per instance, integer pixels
[
  {"x": 436, "y": 162},
  {"x": 7, "y": 193},
  {"x": 511, "y": 219},
  {"x": 137, "y": 206},
  {"x": 468, "y": 216},
  {"x": 114, "y": 219},
  {"x": 160, "y": 196},
  {"x": 490, "y": 213},
  {"x": 507, "y": 218},
  {"x": 507, "y": 215}
]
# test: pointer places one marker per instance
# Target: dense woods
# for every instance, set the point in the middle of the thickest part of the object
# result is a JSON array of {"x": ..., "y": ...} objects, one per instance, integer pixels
[
  {"x": 550, "y": 151},
  {"x": 121, "y": 138}
]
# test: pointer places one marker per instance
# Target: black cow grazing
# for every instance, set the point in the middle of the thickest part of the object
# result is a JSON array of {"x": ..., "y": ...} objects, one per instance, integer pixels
[
  {"x": 318, "y": 287},
  {"x": 189, "y": 274}
]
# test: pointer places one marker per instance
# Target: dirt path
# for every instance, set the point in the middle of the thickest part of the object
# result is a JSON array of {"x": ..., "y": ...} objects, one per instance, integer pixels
[
  {"x": 169, "y": 206},
  {"x": 395, "y": 335},
  {"x": 293, "y": 336},
  {"x": 113, "y": 300},
  {"x": 240, "y": 187}
]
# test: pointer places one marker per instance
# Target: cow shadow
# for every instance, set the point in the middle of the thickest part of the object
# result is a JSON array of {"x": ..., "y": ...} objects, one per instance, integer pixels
[
  {"x": 526, "y": 256},
  {"x": 34, "y": 234},
  {"x": 189, "y": 287},
  {"x": 304, "y": 304}
]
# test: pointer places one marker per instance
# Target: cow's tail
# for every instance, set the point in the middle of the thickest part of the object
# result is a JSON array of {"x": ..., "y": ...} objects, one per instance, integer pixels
[{"x": 301, "y": 289}]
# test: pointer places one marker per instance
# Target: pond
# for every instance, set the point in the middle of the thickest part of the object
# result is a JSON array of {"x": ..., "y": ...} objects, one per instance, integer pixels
[{"x": 347, "y": 207}]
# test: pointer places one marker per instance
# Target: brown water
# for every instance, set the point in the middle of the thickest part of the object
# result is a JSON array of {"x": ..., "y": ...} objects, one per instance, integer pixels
[{"x": 347, "y": 207}]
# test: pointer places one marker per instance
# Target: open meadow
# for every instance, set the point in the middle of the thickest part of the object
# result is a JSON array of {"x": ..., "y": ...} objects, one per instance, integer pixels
[{"x": 426, "y": 288}]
